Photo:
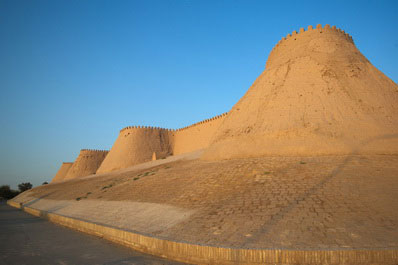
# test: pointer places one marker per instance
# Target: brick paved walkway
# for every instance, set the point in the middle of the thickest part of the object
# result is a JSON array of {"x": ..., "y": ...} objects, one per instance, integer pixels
[
  {"x": 271, "y": 202},
  {"x": 29, "y": 240}
]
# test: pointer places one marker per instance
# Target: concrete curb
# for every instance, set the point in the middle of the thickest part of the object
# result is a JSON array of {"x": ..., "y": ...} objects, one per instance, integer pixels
[{"x": 199, "y": 254}]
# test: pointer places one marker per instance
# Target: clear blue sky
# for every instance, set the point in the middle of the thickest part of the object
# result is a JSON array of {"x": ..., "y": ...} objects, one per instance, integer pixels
[{"x": 73, "y": 73}]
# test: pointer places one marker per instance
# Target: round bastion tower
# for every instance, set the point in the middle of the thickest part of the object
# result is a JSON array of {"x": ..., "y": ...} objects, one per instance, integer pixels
[
  {"x": 86, "y": 163},
  {"x": 317, "y": 96}
]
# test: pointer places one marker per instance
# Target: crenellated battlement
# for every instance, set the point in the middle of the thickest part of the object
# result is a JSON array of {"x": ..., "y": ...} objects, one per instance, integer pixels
[
  {"x": 145, "y": 127},
  {"x": 139, "y": 144},
  {"x": 92, "y": 151},
  {"x": 319, "y": 29},
  {"x": 310, "y": 42},
  {"x": 203, "y": 122},
  {"x": 86, "y": 163},
  {"x": 174, "y": 130}
]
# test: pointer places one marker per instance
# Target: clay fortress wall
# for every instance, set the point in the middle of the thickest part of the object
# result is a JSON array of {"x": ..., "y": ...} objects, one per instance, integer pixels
[
  {"x": 86, "y": 163},
  {"x": 139, "y": 144},
  {"x": 318, "y": 95},
  {"x": 62, "y": 171},
  {"x": 295, "y": 41}
]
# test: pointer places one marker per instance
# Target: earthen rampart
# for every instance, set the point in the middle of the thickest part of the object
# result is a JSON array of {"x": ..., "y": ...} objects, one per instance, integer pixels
[
  {"x": 62, "y": 171},
  {"x": 196, "y": 136},
  {"x": 317, "y": 96},
  {"x": 87, "y": 163},
  {"x": 139, "y": 144},
  {"x": 135, "y": 145}
]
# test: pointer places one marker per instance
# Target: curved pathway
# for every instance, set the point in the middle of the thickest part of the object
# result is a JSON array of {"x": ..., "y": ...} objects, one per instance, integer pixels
[{"x": 25, "y": 239}]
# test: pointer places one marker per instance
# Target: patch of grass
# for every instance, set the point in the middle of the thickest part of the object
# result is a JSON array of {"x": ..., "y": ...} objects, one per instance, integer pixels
[
  {"x": 148, "y": 173},
  {"x": 108, "y": 186},
  {"x": 85, "y": 197},
  {"x": 267, "y": 172},
  {"x": 302, "y": 162},
  {"x": 166, "y": 167},
  {"x": 136, "y": 178}
]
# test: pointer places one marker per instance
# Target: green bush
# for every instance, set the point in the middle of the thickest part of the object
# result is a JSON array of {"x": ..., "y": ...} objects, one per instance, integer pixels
[{"x": 7, "y": 193}]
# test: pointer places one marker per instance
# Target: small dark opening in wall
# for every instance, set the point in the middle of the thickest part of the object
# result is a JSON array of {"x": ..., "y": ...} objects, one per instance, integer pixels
[{"x": 294, "y": 38}]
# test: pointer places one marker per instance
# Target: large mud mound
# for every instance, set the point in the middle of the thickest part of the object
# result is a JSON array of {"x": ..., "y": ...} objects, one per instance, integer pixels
[
  {"x": 318, "y": 96},
  {"x": 86, "y": 163},
  {"x": 62, "y": 171}
]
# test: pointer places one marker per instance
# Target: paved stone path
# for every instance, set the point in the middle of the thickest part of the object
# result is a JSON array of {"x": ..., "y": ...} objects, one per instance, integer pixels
[
  {"x": 25, "y": 239},
  {"x": 326, "y": 202}
]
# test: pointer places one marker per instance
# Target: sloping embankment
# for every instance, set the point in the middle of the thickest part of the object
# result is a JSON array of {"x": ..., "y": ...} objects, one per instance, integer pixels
[{"x": 213, "y": 255}]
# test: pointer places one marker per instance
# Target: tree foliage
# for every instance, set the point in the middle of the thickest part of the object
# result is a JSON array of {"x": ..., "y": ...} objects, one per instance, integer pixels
[
  {"x": 24, "y": 186},
  {"x": 7, "y": 193}
]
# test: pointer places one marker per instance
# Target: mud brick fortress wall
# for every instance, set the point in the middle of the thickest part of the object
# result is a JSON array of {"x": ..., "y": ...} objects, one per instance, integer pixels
[
  {"x": 299, "y": 43},
  {"x": 138, "y": 144},
  {"x": 63, "y": 170},
  {"x": 86, "y": 163},
  {"x": 197, "y": 136},
  {"x": 318, "y": 95},
  {"x": 135, "y": 145}
]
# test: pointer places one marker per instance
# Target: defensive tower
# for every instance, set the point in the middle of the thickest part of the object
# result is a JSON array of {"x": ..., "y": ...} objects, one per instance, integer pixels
[
  {"x": 136, "y": 145},
  {"x": 139, "y": 144},
  {"x": 62, "y": 171},
  {"x": 86, "y": 163},
  {"x": 317, "y": 96}
]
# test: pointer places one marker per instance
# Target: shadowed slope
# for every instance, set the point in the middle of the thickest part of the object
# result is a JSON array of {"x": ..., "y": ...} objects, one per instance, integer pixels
[
  {"x": 318, "y": 95},
  {"x": 63, "y": 170}
]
